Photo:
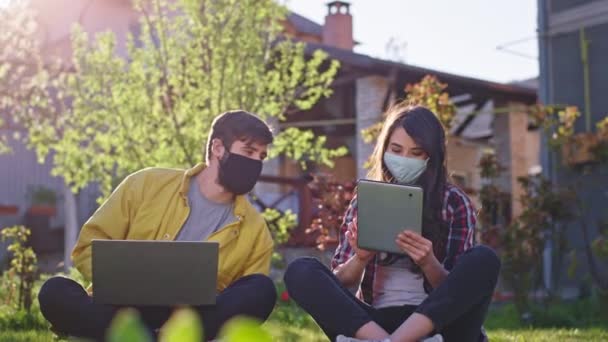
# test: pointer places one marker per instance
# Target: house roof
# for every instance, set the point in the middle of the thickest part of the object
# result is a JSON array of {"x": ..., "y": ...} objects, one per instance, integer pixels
[
  {"x": 531, "y": 83},
  {"x": 408, "y": 73},
  {"x": 475, "y": 116},
  {"x": 305, "y": 25}
]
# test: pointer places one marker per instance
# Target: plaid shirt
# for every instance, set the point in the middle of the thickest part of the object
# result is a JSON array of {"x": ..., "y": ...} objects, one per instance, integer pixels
[{"x": 459, "y": 215}]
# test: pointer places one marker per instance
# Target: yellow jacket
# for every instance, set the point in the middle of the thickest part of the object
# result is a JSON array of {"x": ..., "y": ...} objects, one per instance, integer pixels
[{"x": 152, "y": 204}]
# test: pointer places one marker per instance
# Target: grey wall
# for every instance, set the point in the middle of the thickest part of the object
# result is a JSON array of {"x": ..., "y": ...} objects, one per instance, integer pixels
[
  {"x": 562, "y": 5},
  {"x": 561, "y": 82},
  {"x": 20, "y": 169},
  {"x": 567, "y": 71}
]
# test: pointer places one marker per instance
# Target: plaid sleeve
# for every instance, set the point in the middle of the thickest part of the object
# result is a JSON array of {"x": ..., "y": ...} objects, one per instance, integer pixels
[
  {"x": 344, "y": 251},
  {"x": 461, "y": 221}
]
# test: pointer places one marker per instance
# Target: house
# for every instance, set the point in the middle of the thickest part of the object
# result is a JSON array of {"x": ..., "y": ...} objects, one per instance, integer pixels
[
  {"x": 365, "y": 86},
  {"x": 363, "y": 89},
  {"x": 573, "y": 41}
]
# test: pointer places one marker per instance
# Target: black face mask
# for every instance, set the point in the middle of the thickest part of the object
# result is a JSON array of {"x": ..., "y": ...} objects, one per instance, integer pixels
[{"x": 238, "y": 174}]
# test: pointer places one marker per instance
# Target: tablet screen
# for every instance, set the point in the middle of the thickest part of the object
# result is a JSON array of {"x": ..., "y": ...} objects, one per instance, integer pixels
[{"x": 383, "y": 211}]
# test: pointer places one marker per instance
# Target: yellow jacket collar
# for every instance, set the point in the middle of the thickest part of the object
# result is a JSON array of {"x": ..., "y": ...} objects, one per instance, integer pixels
[{"x": 240, "y": 202}]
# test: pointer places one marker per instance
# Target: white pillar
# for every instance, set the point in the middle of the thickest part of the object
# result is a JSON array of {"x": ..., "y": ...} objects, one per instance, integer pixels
[
  {"x": 548, "y": 262},
  {"x": 71, "y": 226},
  {"x": 371, "y": 92}
]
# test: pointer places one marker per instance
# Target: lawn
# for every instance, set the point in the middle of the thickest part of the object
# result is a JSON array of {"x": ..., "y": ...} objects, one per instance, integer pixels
[
  {"x": 581, "y": 320},
  {"x": 289, "y": 333},
  {"x": 553, "y": 335}
]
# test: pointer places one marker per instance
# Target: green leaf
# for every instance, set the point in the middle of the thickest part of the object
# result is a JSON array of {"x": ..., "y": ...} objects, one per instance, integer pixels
[
  {"x": 241, "y": 329},
  {"x": 280, "y": 224},
  {"x": 127, "y": 326},
  {"x": 184, "y": 326}
]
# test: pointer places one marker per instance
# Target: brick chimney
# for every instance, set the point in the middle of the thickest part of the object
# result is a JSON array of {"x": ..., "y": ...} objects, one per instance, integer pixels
[{"x": 338, "y": 28}]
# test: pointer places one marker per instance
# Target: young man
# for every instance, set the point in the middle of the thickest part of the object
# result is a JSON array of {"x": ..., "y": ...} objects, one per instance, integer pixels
[{"x": 206, "y": 202}]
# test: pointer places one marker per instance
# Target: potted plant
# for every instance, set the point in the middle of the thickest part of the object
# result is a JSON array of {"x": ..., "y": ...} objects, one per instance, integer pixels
[
  {"x": 43, "y": 201},
  {"x": 600, "y": 149},
  {"x": 579, "y": 149},
  {"x": 588, "y": 147}
]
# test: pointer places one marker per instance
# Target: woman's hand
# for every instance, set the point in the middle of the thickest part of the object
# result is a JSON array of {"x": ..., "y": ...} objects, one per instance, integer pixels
[
  {"x": 351, "y": 235},
  {"x": 351, "y": 272},
  {"x": 417, "y": 247}
]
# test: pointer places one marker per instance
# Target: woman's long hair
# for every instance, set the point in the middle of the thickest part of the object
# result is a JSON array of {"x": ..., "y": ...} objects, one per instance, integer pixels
[{"x": 426, "y": 130}]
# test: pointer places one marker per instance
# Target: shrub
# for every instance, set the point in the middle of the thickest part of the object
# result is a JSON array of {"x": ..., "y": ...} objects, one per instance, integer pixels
[
  {"x": 20, "y": 277},
  {"x": 330, "y": 200}
]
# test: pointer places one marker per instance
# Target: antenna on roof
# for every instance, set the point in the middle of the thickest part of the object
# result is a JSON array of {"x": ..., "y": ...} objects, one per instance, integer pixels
[{"x": 503, "y": 48}]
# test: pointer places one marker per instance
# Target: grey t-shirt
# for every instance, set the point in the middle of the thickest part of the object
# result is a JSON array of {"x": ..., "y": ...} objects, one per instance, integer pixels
[
  {"x": 395, "y": 284},
  {"x": 205, "y": 216}
]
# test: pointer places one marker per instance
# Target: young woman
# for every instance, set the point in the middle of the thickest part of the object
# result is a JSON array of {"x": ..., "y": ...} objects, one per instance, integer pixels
[{"x": 442, "y": 288}]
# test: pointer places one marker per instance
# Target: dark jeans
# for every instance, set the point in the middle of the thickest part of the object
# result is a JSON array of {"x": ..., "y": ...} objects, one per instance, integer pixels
[
  {"x": 457, "y": 307},
  {"x": 68, "y": 307}
]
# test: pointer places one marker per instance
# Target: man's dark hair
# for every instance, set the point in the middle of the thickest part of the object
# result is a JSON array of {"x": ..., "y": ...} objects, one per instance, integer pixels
[{"x": 238, "y": 125}]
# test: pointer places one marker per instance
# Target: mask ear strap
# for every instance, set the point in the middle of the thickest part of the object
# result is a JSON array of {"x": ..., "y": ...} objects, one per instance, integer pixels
[{"x": 226, "y": 153}]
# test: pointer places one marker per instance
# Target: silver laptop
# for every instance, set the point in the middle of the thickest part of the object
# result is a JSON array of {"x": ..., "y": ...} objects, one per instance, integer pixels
[{"x": 154, "y": 273}]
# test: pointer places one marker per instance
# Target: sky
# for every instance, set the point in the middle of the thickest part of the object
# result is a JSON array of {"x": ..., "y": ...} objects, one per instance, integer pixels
[{"x": 456, "y": 36}]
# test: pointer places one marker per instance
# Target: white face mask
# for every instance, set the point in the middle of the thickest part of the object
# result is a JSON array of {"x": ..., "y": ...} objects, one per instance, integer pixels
[{"x": 405, "y": 170}]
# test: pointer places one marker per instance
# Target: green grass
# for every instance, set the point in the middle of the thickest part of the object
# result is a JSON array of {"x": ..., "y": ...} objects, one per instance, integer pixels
[
  {"x": 568, "y": 321},
  {"x": 288, "y": 323},
  {"x": 568, "y": 315},
  {"x": 23, "y": 336},
  {"x": 290, "y": 333},
  {"x": 549, "y": 335}
]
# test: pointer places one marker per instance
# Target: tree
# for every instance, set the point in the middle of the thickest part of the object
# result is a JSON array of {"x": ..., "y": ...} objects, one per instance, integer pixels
[
  {"x": 29, "y": 92},
  {"x": 106, "y": 115},
  {"x": 192, "y": 60},
  {"x": 17, "y": 31}
]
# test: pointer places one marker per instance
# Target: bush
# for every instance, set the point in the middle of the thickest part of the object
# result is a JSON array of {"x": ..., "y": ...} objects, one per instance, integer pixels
[
  {"x": 576, "y": 314},
  {"x": 12, "y": 318},
  {"x": 566, "y": 314},
  {"x": 18, "y": 281},
  {"x": 21, "y": 320},
  {"x": 503, "y": 317},
  {"x": 331, "y": 199}
]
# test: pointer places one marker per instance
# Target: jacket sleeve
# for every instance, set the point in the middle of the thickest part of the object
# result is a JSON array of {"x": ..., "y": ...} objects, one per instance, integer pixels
[
  {"x": 261, "y": 255},
  {"x": 109, "y": 222}
]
